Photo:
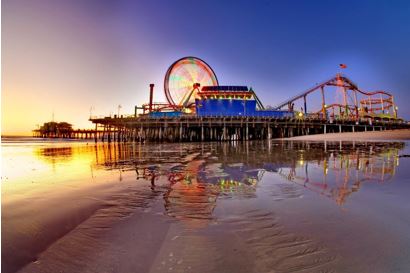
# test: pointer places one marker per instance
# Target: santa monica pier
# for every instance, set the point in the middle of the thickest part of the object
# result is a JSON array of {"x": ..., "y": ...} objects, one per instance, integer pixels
[{"x": 199, "y": 108}]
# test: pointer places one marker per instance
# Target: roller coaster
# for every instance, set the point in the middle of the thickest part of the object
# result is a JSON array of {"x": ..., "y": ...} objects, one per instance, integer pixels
[{"x": 354, "y": 105}]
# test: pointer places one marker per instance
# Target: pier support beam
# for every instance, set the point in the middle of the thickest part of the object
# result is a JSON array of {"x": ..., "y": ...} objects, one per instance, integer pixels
[
  {"x": 215, "y": 128},
  {"x": 96, "y": 133}
]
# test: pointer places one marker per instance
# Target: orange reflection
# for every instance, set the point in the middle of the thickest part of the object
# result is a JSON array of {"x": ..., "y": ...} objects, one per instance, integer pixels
[{"x": 36, "y": 169}]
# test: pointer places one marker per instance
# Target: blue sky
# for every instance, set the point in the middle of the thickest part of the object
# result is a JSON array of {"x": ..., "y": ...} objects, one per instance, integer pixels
[{"x": 99, "y": 54}]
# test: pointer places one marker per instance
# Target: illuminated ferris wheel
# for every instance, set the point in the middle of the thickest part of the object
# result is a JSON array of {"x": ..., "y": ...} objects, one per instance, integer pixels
[{"x": 182, "y": 77}]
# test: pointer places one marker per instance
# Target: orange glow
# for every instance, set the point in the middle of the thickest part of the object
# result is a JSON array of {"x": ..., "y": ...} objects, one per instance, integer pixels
[
  {"x": 43, "y": 169},
  {"x": 51, "y": 65}
]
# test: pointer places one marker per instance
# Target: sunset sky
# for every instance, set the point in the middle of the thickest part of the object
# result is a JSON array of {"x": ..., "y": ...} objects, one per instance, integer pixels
[{"x": 65, "y": 57}]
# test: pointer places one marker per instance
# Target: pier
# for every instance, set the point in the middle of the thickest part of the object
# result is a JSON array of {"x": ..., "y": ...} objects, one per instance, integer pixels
[
  {"x": 198, "y": 108},
  {"x": 73, "y": 134},
  {"x": 192, "y": 128}
]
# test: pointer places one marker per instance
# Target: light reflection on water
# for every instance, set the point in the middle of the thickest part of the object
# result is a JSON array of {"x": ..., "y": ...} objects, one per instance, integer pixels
[
  {"x": 334, "y": 169},
  {"x": 204, "y": 186},
  {"x": 199, "y": 173}
]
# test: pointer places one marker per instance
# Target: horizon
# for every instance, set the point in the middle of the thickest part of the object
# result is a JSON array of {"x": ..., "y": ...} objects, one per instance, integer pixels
[{"x": 65, "y": 61}]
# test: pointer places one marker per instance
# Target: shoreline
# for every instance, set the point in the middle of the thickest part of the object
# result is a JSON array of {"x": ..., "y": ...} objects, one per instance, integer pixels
[{"x": 400, "y": 134}]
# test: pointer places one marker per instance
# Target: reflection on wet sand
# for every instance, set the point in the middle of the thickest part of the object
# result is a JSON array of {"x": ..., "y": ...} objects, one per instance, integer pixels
[
  {"x": 337, "y": 174},
  {"x": 204, "y": 190},
  {"x": 200, "y": 177},
  {"x": 55, "y": 153},
  {"x": 332, "y": 169}
]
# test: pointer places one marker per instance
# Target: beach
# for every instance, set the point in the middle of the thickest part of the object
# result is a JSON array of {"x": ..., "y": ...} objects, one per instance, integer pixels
[
  {"x": 205, "y": 207},
  {"x": 402, "y": 134}
]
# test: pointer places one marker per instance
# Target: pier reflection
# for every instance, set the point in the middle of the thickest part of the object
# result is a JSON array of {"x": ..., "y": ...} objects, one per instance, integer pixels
[
  {"x": 194, "y": 176},
  {"x": 341, "y": 169}
]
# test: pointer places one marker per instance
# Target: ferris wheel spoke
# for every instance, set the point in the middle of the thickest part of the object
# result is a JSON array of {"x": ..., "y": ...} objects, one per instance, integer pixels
[
  {"x": 186, "y": 71},
  {"x": 189, "y": 75},
  {"x": 181, "y": 77},
  {"x": 201, "y": 75},
  {"x": 180, "y": 93}
]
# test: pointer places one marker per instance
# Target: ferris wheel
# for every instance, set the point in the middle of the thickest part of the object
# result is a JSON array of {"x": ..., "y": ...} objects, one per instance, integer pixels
[{"x": 182, "y": 77}]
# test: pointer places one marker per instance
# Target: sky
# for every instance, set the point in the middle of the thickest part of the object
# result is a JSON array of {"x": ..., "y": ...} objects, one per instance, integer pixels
[{"x": 65, "y": 60}]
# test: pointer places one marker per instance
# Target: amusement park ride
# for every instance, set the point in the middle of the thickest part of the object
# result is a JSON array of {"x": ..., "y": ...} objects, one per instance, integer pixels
[
  {"x": 356, "y": 104},
  {"x": 192, "y": 88},
  {"x": 199, "y": 109}
]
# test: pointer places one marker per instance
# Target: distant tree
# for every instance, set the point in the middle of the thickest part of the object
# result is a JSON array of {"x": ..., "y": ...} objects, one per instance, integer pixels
[
  {"x": 56, "y": 129},
  {"x": 64, "y": 128}
]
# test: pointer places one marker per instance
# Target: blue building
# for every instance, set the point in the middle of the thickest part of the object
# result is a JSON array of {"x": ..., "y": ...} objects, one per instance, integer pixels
[{"x": 233, "y": 101}]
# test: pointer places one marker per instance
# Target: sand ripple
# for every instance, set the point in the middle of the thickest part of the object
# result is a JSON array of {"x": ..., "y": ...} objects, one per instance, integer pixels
[{"x": 251, "y": 241}]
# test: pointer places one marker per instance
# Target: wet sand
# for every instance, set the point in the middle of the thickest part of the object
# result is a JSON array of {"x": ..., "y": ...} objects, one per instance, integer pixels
[
  {"x": 403, "y": 134},
  {"x": 210, "y": 207}
]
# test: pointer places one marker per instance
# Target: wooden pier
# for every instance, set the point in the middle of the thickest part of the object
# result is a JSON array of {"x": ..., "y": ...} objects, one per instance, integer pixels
[
  {"x": 193, "y": 128},
  {"x": 73, "y": 134}
]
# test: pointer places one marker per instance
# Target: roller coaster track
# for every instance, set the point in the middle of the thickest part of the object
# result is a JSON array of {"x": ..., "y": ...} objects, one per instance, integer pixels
[
  {"x": 377, "y": 104},
  {"x": 338, "y": 80}
]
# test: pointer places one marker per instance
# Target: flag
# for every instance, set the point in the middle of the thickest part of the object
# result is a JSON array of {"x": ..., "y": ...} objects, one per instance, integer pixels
[{"x": 342, "y": 65}]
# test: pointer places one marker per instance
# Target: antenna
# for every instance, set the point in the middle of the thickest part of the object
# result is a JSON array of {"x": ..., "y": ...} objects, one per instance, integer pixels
[{"x": 91, "y": 110}]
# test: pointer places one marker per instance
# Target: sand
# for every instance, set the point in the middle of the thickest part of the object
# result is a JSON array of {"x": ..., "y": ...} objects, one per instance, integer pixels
[
  {"x": 403, "y": 134},
  {"x": 114, "y": 222}
]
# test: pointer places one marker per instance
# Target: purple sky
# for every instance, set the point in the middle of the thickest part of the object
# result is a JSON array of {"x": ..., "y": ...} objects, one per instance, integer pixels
[{"x": 65, "y": 57}]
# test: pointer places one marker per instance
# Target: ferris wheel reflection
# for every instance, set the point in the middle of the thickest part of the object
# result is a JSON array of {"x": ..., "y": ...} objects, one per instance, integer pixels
[{"x": 192, "y": 177}]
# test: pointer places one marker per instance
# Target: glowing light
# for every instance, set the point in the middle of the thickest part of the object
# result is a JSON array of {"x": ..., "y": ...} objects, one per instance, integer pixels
[
  {"x": 183, "y": 74},
  {"x": 300, "y": 114}
]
